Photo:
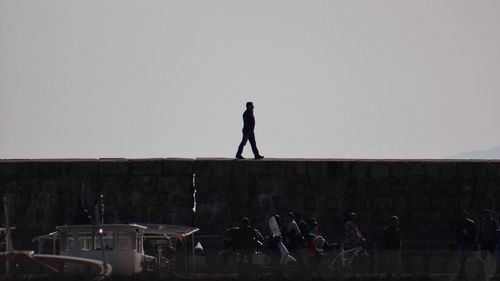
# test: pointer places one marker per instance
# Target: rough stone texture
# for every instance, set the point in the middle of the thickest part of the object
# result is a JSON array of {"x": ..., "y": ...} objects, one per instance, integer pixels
[
  {"x": 425, "y": 193},
  {"x": 44, "y": 193}
]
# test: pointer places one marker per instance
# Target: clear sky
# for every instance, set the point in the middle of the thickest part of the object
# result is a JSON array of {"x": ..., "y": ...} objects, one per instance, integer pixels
[{"x": 330, "y": 79}]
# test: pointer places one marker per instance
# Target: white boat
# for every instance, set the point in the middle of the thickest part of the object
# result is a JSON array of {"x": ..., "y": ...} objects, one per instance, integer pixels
[
  {"x": 46, "y": 266},
  {"x": 119, "y": 245}
]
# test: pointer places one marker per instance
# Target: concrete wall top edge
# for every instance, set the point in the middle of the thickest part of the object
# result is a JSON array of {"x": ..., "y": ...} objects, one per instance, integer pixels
[
  {"x": 70, "y": 160},
  {"x": 348, "y": 160}
]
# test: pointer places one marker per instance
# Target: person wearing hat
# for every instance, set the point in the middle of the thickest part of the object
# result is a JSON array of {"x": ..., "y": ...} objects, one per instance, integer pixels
[{"x": 248, "y": 134}]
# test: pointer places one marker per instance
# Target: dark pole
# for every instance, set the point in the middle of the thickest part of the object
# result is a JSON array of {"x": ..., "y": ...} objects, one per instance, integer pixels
[{"x": 99, "y": 218}]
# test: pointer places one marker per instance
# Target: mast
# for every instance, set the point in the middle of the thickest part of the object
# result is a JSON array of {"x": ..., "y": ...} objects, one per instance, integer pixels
[{"x": 8, "y": 235}]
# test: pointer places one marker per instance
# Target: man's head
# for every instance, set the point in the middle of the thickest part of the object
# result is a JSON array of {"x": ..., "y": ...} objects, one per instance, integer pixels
[
  {"x": 290, "y": 216},
  {"x": 395, "y": 220},
  {"x": 250, "y": 105},
  {"x": 298, "y": 216},
  {"x": 277, "y": 218},
  {"x": 245, "y": 221},
  {"x": 486, "y": 213},
  {"x": 352, "y": 216},
  {"x": 313, "y": 222}
]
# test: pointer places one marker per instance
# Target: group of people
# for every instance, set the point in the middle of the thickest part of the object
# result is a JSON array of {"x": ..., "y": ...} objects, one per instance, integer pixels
[
  {"x": 302, "y": 238},
  {"x": 307, "y": 244}
]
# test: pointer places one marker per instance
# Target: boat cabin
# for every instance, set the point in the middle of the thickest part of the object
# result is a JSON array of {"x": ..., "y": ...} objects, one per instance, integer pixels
[{"x": 120, "y": 245}]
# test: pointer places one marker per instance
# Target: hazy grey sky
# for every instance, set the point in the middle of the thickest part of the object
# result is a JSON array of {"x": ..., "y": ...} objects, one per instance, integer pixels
[{"x": 364, "y": 79}]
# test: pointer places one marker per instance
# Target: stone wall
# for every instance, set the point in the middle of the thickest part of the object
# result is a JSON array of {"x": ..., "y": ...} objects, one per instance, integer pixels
[
  {"x": 425, "y": 194},
  {"x": 45, "y": 193}
]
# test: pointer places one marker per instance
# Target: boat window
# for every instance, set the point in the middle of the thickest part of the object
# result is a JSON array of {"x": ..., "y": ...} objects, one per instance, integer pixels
[
  {"x": 67, "y": 241},
  {"x": 86, "y": 241},
  {"x": 127, "y": 240},
  {"x": 107, "y": 238}
]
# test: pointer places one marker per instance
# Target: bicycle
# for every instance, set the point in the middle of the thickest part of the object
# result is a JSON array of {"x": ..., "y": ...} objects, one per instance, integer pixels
[{"x": 346, "y": 261}]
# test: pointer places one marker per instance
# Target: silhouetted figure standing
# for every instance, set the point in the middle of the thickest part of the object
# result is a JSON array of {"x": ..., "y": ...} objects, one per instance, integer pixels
[
  {"x": 246, "y": 240},
  {"x": 465, "y": 233},
  {"x": 303, "y": 226},
  {"x": 392, "y": 247},
  {"x": 486, "y": 236},
  {"x": 248, "y": 134},
  {"x": 353, "y": 236},
  {"x": 297, "y": 238},
  {"x": 293, "y": 236},
  {"x": 486, "y": 232},
  {"x": 315, "y": 245}
]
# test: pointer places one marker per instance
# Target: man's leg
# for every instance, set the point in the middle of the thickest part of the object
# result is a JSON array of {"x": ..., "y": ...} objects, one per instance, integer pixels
[
  {"x": 238, "y": 257},
  {"x": 242, "y": 144},
  {"x": 394, "y": 262},
  {"x": 255, "y": 151},
  {"x": 491, "y": 248},
  {"x": 300, "y": 253},
  {"x": 462, "y": 252},
  {"x": 384, "y": 257},
  {"x": 250, "y": 257},
  {"x": 399, "y": 263},
  {"x": 487, "y": 248}
]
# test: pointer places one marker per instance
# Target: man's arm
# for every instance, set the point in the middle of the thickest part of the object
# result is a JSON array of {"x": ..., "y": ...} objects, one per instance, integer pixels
[
  {"x": 359, "y": 236},
  {"x": 258, "y": 235}
]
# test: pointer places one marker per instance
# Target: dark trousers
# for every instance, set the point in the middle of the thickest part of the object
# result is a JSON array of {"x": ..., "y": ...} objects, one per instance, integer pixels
[
  {"x": 248, "y": 136},
  {"x": 392, "y": 261},
  {"x": 488, "y": 246},
  {"x": 464, "y": 250}
]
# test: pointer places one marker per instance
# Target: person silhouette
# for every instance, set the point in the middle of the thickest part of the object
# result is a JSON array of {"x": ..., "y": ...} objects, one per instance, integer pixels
[{"x": 248, "y": 134}]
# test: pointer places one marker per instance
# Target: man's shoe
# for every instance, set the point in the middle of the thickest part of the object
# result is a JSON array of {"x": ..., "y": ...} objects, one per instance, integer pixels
[
  {"x": 239, "y": 157},
  {"x": 259, "y": 157}
]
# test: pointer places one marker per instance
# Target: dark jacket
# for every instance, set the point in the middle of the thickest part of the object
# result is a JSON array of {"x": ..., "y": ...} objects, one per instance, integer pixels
[
  {"x": 304, "y": 227},
  {"x": 246, "y": 237},
  {"x": 486, "y": 230},
  {"x": 392, "y": 238},
  {"x": 465, "y": 232},
  {"x": 248, "y": 121}
]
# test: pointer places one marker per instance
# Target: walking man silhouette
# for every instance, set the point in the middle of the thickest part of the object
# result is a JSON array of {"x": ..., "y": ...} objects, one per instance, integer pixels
[{"x": 248, "y": 134}]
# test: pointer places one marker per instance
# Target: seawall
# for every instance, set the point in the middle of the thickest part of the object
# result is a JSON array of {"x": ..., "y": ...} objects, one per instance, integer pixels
[{"x": 425, "y": 194}]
